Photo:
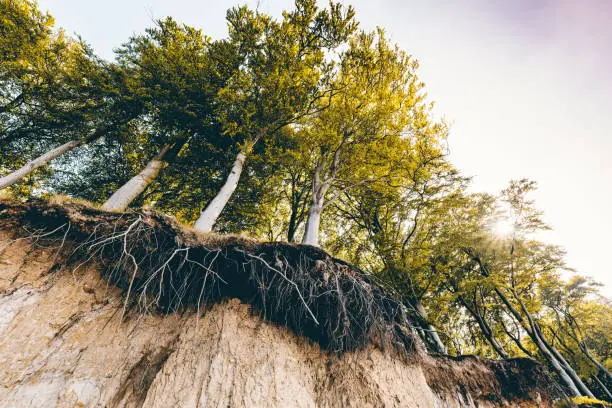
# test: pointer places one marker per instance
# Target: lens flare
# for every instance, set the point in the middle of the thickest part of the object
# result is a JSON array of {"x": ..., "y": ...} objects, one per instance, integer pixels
[{"x": 503, "y": 228}]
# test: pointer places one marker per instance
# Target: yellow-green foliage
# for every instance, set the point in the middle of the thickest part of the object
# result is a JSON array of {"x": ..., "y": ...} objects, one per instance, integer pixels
[
  {"x": 590, "y": 401},
  {"x": 6, "y": 194},
  {"x": 63, "y": 199}
]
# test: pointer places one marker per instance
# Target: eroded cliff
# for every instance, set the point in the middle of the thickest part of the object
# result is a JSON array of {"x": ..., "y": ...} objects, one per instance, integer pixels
[{"x": 68, "y": 338}]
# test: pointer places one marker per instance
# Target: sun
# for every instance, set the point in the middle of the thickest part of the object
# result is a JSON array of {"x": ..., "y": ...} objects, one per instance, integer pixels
[{"x": 503, "y": 227}]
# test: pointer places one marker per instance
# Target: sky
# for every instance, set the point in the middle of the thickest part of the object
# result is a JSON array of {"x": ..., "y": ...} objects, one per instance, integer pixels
[{"x": 526, "y": 86}]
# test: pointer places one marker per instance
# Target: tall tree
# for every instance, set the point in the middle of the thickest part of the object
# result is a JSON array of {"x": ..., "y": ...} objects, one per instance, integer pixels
[
  {"x": 357, "y": 138},
  {"x": 55, "y": 94},
  {"x": 283, "y": 73},
  {"x": 176, "y": 79}
]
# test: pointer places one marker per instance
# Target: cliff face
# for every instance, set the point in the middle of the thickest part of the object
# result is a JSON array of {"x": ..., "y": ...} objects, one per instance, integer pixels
[{"x": 66, "y": 341}]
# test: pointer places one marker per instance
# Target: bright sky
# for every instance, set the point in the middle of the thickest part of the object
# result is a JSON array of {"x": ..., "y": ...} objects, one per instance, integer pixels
[{"x": 526, "y": 85}]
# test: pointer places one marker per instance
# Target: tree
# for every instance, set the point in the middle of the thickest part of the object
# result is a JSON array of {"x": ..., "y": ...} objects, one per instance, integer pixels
[
  {"x": 578, "y": 319},
  {"x": 396, "y": 221},
  {"x": 517, "y": 266},
  {"x": 26, "y": 40},
  {"x": 56, "y": 95},
  {"x": 358, "y": 133},
  {"x": 176, "y": 80},
  {"x": 283, "y": 73}
]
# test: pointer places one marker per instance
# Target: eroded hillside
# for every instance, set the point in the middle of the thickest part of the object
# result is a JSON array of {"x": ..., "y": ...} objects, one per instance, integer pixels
[{"x": 211, "y": 321}]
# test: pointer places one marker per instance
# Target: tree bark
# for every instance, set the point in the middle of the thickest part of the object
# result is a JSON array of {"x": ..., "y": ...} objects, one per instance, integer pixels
[
  {"x": 18, "y": 174},
  {"x": 121, "y": 199},
  {"x": 429, "y": 331},
  {"x": 486, "y": 330},
  {"x": 313, "y": 222},
  {"x": 603, "y": 387},
  {"x": 209, "y": 216}
]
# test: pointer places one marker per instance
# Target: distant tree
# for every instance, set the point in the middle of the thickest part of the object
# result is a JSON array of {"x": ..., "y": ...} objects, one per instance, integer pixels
[
  {"x": 580, "y": 323},
  {"x": 515, "y": 267}
]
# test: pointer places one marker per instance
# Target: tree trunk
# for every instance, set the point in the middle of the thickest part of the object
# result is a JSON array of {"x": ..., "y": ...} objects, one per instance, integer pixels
[
  {"x": 565, "y": 376},
  {"x": 431, "y": 334},
  {"x": 121, "y": 199},
  {"x": 516, "y": 339},
  {"x": 311, "y": 232},
  {"x": 298, "y": 200},
  {"x": 209, "y": 216},
  {"x": 603, "y": 387},
  {"x": 291, "y": 230},
  {"x": 485, "y": 330},
  {"x": 556, "y": 365},
  {"x": 499, "y": 349},
  {"x": 313, "y": 222},
  {"x": 540, "y": 345},
  {"x": 568, "y": 367},
  {"x": 601, "y": 367},
  {"x": 18, "y": 174},
  {"x": 519, "y": 344},
  {"x": 433, "y": 339}
]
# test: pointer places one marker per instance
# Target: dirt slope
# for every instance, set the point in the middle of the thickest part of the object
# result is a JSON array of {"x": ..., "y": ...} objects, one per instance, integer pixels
[{"x": 63, "y": 343}]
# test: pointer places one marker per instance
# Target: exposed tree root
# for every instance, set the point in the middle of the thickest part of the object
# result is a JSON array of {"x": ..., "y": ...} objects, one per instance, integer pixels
[{"x": 165, "y": 267}]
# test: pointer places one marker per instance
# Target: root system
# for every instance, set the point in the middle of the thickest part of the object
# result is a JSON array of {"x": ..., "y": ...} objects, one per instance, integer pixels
[{"x": 162, "y": 266}]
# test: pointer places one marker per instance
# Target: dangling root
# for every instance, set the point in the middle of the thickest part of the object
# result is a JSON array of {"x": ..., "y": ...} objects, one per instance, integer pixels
[{"x": 163, "y": 266}]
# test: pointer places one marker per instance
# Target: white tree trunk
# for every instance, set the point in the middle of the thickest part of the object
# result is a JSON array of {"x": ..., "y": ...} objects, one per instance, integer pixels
[
  {"x": 18, "y": 174},
  {"x": 568, "y": 368},
  {"x": 209, "y": 216},
  {"x": 311, "y": 232},
  {"x": 121, "y": 199},
  {"x": 432, "y": 333},
  {"x": 313, "y": 222},
  {"x": 557, "y": 365}
]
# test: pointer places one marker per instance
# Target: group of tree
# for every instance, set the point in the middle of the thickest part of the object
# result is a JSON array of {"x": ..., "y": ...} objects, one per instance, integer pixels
[{"x": 301, "y": 126}]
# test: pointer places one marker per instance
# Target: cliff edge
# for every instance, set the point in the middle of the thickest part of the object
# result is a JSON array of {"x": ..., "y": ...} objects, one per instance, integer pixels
[{"x": 132, "y": 310}]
